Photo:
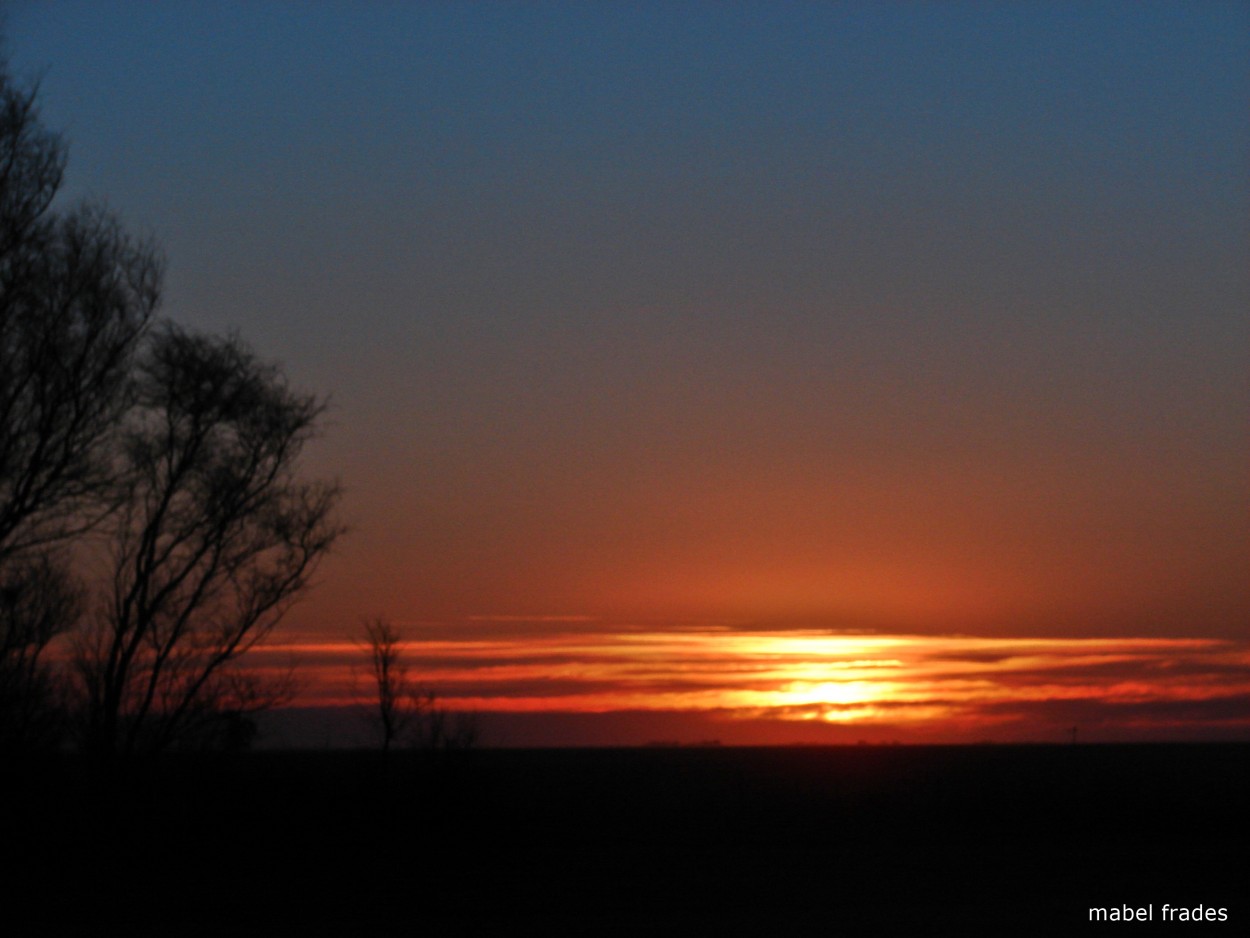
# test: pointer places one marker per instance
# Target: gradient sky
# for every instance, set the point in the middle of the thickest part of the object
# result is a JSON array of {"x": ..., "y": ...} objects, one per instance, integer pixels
[{"x": 919, "y": 318}]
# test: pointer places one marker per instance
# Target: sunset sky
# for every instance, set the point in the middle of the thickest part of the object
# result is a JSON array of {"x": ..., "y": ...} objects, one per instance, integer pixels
[{"x": 766, "y": 372}]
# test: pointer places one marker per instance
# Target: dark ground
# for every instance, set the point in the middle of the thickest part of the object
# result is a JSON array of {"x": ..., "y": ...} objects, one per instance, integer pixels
[{"x": 1002, "y": 840}]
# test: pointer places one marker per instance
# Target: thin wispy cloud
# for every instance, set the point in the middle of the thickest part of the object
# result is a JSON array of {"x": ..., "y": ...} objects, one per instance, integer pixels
[{"x": 932, "y": 686}]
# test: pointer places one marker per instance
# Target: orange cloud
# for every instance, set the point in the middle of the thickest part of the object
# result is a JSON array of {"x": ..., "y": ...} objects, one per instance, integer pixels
[{"x": 931, "y": 687}]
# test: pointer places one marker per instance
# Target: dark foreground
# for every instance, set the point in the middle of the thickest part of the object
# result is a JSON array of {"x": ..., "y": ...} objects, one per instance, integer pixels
[{"x": 840, "y": 841}]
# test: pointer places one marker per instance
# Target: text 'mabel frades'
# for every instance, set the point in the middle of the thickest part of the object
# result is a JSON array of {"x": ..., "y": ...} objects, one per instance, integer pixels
[{"x": 1166, "y": 913}]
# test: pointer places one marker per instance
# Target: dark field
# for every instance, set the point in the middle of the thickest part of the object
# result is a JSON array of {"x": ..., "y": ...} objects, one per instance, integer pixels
[{"x": 1003, "y": 840}]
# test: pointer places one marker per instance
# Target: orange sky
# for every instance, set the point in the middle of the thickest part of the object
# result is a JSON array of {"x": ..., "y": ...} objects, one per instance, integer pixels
[
  {"x": 674, "y": 349},
  {"x": 807, "y": 686}
]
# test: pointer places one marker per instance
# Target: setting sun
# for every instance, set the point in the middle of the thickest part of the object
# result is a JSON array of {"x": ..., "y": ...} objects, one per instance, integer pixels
[
  {"x": 767, "y": 686},
  {"x": 624, "y": 468}
]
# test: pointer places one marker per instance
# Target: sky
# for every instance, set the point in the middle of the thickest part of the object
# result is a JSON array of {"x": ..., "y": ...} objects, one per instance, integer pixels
[{"x": 727, "y": 323}]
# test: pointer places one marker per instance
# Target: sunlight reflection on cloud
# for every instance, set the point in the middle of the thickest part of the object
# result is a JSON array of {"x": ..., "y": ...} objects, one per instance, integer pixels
[{"x": 798, "y": 675}]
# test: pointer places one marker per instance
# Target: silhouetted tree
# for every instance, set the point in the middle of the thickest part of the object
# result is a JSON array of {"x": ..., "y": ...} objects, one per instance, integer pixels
[
  {"x": 440, "y": 728},
  {"x": 216, "y": 537},
  {"x": 38, "y": 600},
  {"x": 179, "y": 451},
  {"x": 393, "y": 711},
  {"x": 76, "y": 298},
  {"x": 403, "y": 710}
]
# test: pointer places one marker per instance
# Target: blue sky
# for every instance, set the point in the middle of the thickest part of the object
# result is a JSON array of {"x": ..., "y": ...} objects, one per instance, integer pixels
[{"x": 919, "y": 316}]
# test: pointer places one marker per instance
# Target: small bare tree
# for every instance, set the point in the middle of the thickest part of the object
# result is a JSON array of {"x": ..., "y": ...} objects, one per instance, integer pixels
[
  {"x": 403, "y": 710},
  {"x": 216, "y": 538},
  {"x": 393, "y": 712},
  {"x": 445, "y": 729}
]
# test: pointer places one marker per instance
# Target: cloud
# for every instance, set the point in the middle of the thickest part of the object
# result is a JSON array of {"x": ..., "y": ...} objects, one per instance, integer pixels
[
  {"x": 535, "y": 619},
  {"x": 935, "y": 687}
]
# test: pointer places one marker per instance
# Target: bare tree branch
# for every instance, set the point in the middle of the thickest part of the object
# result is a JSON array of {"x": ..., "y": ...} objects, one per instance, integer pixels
[
  {"x": 403, "y": 710},
  {"x": 390, "y": 676},
  {"x": 76, "y": 299},
  {"x": 39, "y": 599},
  {"x": 219, "y": 536}
]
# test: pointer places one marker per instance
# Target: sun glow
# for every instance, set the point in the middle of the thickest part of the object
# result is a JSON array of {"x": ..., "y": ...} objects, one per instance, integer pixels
[
  {"x": 888, "y": 684},
  {"x": 841, "y": 693}
]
